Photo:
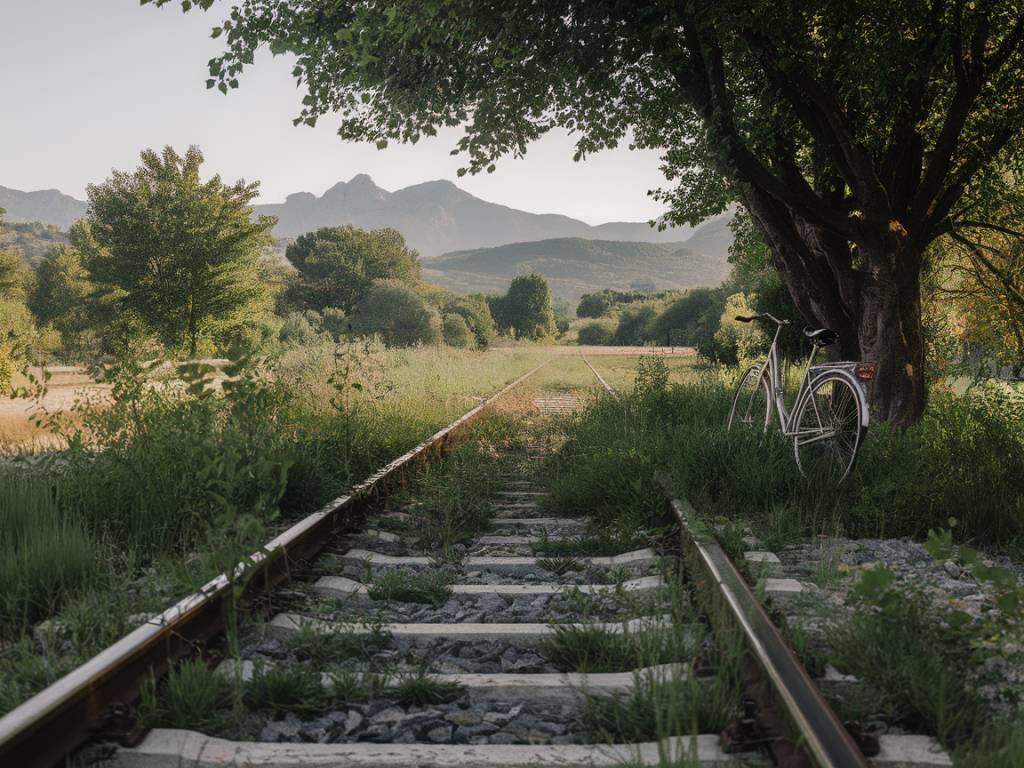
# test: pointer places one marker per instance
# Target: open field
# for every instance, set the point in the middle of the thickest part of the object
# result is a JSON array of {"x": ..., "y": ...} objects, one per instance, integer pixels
[
  {"x": 440, "y": 380},
  {"x": 67, "y": 385}
]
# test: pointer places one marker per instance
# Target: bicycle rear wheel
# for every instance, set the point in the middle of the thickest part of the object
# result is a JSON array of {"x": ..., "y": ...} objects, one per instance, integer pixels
[
  {"x": 829, "y": 429},
  {"x": 751, "y": 405}
]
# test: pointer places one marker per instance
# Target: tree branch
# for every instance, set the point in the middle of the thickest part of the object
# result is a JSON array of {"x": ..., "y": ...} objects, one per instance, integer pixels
[
  {"x": 993, "y": 227},
  {"x": 824, "y": 118},
  {"x": 1005, "y": 278},
  {"x": 712, "y": 99}
]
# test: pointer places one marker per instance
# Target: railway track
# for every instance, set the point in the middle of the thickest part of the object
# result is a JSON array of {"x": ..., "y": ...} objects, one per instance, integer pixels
[{"x": 513, "y": 650}]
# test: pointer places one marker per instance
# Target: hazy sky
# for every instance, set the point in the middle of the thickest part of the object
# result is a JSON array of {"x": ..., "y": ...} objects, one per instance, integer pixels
[{"x": 87, "y": 84}]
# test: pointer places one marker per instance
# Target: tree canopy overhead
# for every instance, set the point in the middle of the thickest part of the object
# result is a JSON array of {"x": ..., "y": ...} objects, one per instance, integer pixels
[{"x": 855, "y": 132}]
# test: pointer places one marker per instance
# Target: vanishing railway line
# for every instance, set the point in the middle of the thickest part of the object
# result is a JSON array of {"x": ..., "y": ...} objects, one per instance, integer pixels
[{"x": 485, "y": 658}]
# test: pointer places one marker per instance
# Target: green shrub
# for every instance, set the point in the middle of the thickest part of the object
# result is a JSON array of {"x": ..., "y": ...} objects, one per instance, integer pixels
[
  {"x": 300, "y": 329},
  {"x": 693, "y": 320},
  {"x": 636, "y": 325},
  {"x": 456, "y": 332},
  {"x": 477, "y": 313},
  {"x": 396, "y": 313},
  {"x": 597, "y": 334},
  {"x": 594, "y": 305},
  {"x": 335, "y": 322}
]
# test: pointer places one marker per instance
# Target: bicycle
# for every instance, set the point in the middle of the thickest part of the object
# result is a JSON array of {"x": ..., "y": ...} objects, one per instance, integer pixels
[{"x": 829, "y": 419}]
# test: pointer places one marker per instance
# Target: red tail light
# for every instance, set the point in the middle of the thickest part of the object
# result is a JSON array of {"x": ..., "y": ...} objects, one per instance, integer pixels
[{"x": 865, "y": 371}]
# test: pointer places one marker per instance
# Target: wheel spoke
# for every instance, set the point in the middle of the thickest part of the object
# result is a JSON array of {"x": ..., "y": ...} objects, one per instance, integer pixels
[{"x": 827, "y": 430}]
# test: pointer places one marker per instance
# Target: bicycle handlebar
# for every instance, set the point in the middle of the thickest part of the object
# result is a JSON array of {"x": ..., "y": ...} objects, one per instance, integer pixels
[{"x": 769, "y": 316}]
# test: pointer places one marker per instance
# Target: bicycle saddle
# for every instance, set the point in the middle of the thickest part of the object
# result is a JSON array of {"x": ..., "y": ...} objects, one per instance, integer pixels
[{"x": 821, "y": 337}]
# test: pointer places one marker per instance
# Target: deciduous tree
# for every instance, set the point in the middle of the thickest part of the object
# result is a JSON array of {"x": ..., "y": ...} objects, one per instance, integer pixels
[
  {"x": 183, "y": 252},
  {"x": 16, "y": 326},
  {"x": 526, "y": 308},
  {"x": 852, "y": 131},
  {"x": 63, "y": 294},
  {"x": 337, "y": 265}
]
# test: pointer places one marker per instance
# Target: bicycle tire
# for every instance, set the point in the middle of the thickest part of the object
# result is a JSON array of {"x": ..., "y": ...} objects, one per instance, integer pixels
[
  {"x": 829, "y": 426},
  {"x": 752, "y": 386}
]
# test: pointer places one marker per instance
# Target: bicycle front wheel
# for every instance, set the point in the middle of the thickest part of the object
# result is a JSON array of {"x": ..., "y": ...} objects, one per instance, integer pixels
[
  {"x": 751, "y": 405},
  {"x": 829, "y": 429}
]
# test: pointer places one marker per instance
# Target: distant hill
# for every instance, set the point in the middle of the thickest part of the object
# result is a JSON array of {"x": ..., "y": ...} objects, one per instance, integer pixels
[
  {"x": 32, "y": 239},
  {"x": 575, "y": 266},
  {"x": 437, "y": 216},
  {"x": 47, "y": 206},
  {"x": 713, "y": 237}
]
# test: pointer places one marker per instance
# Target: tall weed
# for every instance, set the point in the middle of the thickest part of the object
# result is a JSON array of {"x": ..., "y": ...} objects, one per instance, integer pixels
[
  {"x": 964, "y": 460},
  {"x": 45, "y": 554}
]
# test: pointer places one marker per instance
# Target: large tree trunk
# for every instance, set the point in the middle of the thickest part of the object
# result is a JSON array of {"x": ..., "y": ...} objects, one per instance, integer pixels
[
  {"x": 875, "y": 306},
  {"x": 890, "y": 335}
]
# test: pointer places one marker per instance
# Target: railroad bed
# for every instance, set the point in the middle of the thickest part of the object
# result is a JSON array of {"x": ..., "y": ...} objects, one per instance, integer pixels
[
  {"x": 477, "y": 677},
  {"x": 512, "y": 648}
]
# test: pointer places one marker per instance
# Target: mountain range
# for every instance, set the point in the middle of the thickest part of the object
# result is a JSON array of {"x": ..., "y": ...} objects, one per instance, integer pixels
[
  {"x": 435, "y": 217},
  {"x": 575, "y": 266},
  {"x": 47, "y": 206}
]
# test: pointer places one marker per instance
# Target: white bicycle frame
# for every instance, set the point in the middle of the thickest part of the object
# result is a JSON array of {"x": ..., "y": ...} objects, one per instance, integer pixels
[{"x": 777, "y": 390}]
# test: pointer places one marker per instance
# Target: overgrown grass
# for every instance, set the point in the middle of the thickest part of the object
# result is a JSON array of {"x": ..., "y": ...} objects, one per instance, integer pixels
[
  {"x": 326, "y": 646},
  {"x": 45, "y": 554},
  {"x": 921, "y": 670},
  {"x": 587, "y": 648},
  {"x": 431, "y": 588},
  {"x": 287, "y": 688},
  {"x": 451, "y": 499},
  {"x": 599, "y": 543},
  {"x": 419, "y": 689},
  {"x": 560, "y": 564},
  {"x": 917, "y": 666},
  {"x": 191, "y": 697},
  {"x": 166, "y": 483},
  {"x": 964, "y": 460},
  {"x": 669, "y": 703}
]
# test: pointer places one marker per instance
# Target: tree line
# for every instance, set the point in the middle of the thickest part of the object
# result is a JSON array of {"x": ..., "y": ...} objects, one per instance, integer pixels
[
  {"x": 167, "y": 262},
  {"x": 972, "y": 308}
]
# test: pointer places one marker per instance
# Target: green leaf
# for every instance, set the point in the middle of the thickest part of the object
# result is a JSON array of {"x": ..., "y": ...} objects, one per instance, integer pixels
[
  {"x": 874, "y": 583},
  {"x": 958, "y": 620},
  {"x": 939, "y": 544}
]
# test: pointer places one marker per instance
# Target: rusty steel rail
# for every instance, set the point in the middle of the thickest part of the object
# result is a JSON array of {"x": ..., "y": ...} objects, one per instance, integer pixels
[
  {"x": 819, "y": 735},
  {"x": 600, "y": 378},
  {"x": 815, "y": 735},
  {"x": 52, "y": 724}
]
